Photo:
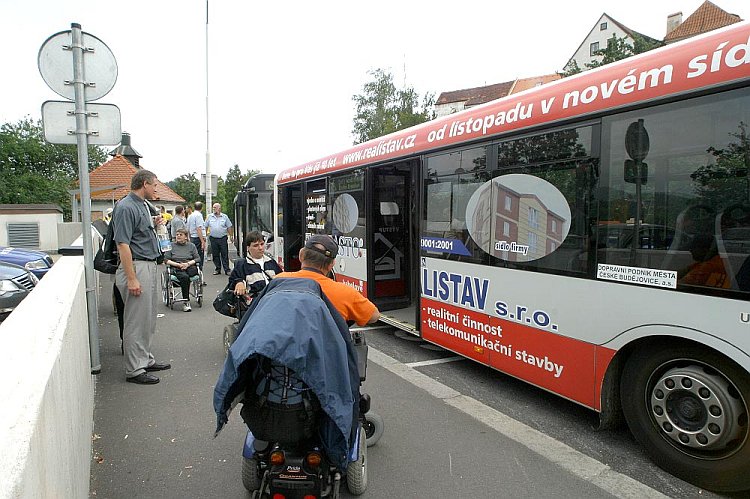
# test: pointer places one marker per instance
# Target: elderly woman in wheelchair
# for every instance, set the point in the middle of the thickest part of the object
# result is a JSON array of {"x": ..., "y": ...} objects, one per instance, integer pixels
[{"x": 181, "y": 262}]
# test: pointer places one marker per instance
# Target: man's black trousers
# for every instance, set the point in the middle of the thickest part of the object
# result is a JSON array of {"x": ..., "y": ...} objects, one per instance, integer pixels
[{"x": 220, "y": 253}]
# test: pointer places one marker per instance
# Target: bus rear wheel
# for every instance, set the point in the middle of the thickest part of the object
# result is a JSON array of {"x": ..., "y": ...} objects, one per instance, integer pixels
[{"x": 688, "y": 407}]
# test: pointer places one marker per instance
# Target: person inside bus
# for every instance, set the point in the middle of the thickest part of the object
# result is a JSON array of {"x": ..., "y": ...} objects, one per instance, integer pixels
[
  {"x": 707, "y": 268},
  {"x": 251, "y": 274}
]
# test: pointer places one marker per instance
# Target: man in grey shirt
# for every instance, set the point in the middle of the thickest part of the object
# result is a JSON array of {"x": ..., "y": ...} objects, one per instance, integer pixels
[
  {"x": 197, "y": 232},
  {"x": 136, "y": 277},
  {"x": 178, "y": 221}
]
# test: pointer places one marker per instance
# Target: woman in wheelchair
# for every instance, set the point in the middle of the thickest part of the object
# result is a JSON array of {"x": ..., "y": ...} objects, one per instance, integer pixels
[
  {"x": 251, "y": 274},
  {"x": 181, "y": 262}
]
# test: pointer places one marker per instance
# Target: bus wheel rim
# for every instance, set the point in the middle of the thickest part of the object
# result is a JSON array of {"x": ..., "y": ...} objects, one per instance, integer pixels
[{"x": 699, "y": 411}]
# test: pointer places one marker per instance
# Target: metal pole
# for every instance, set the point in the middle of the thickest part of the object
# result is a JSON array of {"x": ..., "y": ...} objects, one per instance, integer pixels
[
  {"x": 83, "y": 178},
  {"x": 209, "y": 183}
]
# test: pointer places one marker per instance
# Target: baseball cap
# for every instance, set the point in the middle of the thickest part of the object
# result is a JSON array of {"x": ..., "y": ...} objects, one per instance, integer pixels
[{"x": 331, "y": 248}]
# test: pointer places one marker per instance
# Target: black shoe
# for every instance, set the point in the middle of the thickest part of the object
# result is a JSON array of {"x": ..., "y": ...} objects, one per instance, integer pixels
[
  {"x": 159, "y": 366},
  {"x": 217, "y": 272},
  {"x": 227, "y": 272},
  {"x": 143, "y": 379}
]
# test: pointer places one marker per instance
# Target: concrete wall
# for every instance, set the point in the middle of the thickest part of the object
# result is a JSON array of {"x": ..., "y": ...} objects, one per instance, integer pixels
[
  {"x": 47, "y": 390},
  {"x": 67, "y": 232}
]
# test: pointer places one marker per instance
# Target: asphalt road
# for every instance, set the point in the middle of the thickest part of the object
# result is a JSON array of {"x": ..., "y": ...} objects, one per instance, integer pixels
[{"x": 453, "y": 430}]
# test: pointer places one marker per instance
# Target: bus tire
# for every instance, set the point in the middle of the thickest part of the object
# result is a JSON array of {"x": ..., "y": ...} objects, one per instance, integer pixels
[{"x": 688, "y": 407}]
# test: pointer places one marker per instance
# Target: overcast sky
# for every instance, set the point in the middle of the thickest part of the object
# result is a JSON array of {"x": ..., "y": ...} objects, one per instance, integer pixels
[{"x": 282, "y": 74}]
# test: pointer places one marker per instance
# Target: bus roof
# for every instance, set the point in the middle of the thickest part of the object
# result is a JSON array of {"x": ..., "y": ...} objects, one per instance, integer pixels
[{"x": 716, "y": 58}]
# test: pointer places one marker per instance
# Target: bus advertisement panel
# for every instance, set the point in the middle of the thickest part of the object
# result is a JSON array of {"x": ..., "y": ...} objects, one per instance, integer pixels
[{"x": 715, "y": 58}]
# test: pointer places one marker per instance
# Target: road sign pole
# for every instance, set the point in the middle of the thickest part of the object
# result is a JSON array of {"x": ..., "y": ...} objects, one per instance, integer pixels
[{"x": 79, "y": 83}]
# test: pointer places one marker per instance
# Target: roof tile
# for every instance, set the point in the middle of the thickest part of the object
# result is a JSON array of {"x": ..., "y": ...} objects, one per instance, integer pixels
[
  {"x": 477, "y": 95},
  {"x": 706, "y": 18},
  {"x": 119, "y": 171}
]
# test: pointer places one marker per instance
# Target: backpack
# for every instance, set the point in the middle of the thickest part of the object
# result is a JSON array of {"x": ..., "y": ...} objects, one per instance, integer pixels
[
  {"x": 106, "y": 259},
  {"x": 278, "y": 406}
]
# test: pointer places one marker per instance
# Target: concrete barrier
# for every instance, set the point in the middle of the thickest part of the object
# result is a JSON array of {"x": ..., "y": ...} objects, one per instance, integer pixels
[
  {"x": 47, "y": 390},
  {"x": 67, "y": 232}
]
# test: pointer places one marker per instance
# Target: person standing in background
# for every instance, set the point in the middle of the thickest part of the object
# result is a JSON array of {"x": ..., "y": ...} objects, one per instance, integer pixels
[
  {"x": 220, "y": 230},
  {"x": 195, "y": 226},
  {"x": 136, "y": 277},
  {"x": 178, "y": 221}
]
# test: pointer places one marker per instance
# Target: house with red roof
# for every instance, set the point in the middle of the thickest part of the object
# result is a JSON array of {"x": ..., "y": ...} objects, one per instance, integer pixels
[
  {"x": 707, "y": 17},
  {"x": 458, "y": 100},
  {"x": 111, "y": 181}
]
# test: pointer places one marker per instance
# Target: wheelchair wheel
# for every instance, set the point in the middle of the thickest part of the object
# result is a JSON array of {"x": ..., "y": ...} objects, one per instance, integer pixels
[
  {"x": 373, "y": 426},
  {"x": 356, "y": 471},
  {"x": 166, "y": 293},
  {"x": 250, "y": 474},
  {"x": 198, "y": 292},
  {"x": 229, "y": 333}
]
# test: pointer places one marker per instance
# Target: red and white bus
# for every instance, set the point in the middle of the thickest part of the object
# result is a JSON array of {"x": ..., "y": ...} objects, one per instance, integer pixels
[{"x": 590, "y": 236}]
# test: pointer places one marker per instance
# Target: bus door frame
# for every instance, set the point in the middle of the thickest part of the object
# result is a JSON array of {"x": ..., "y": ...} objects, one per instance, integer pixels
[{"x": 411, "y": 259}]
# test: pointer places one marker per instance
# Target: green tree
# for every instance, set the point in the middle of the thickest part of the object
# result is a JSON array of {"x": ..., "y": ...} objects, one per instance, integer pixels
[
  {"x": 35, "y": 171},
  {"x": 188, "y": 186},
  {"x": 726, "y": 180},
  {"x": 571, "y": 69},
  {"x": 381, "y": 108},
  {"x": 229, "y": 187}
]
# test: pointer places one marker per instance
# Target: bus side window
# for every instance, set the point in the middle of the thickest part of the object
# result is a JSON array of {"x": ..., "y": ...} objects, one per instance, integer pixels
[
  {"x": 451, "y": 180},
  {"x": 693, "y": 207}
]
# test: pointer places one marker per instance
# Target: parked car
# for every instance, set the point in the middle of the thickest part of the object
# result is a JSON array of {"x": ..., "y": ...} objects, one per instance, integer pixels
[
  {"x": 37, "y": 262},
  {"x": 15, "y": 284}
]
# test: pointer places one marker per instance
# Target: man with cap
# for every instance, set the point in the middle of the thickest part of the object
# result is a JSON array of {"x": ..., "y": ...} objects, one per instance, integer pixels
[{"x": 318, "y": 258}]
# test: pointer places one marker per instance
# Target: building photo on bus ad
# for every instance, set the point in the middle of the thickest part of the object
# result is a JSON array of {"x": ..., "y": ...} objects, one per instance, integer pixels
[{"x": 590, "y": 236}]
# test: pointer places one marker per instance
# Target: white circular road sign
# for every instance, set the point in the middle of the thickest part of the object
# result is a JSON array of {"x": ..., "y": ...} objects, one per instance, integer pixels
[{"x": 56, "y": 65}]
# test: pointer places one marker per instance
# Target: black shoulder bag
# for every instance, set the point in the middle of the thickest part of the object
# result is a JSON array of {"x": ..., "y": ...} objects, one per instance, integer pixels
[{"x": 106, "y": 259}]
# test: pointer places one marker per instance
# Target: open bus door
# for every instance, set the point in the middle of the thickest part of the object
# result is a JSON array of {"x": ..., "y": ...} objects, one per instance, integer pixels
[
  {"x": 392, "y": 264},
  {"x": 292, "y": 227}
]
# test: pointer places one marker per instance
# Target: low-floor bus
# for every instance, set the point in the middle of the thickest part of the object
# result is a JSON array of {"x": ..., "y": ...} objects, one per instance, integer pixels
[{"x": 590, "y": 236}]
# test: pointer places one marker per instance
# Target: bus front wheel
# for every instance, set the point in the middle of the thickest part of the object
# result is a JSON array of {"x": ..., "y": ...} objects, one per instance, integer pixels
[{"x": 688, "y": 407}]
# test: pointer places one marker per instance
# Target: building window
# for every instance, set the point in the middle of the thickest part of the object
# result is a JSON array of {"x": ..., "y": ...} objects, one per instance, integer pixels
[
  {"x": 603, "y": 27},
  {"x": 594, "y": 48},
  {"x": 533, "y": 218},
  {"x": 554, "y": 226},
  {"x": 506, "y": 229},
  {"x": 507, "y": 203},
  {"x": 533, "y": 242}
]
